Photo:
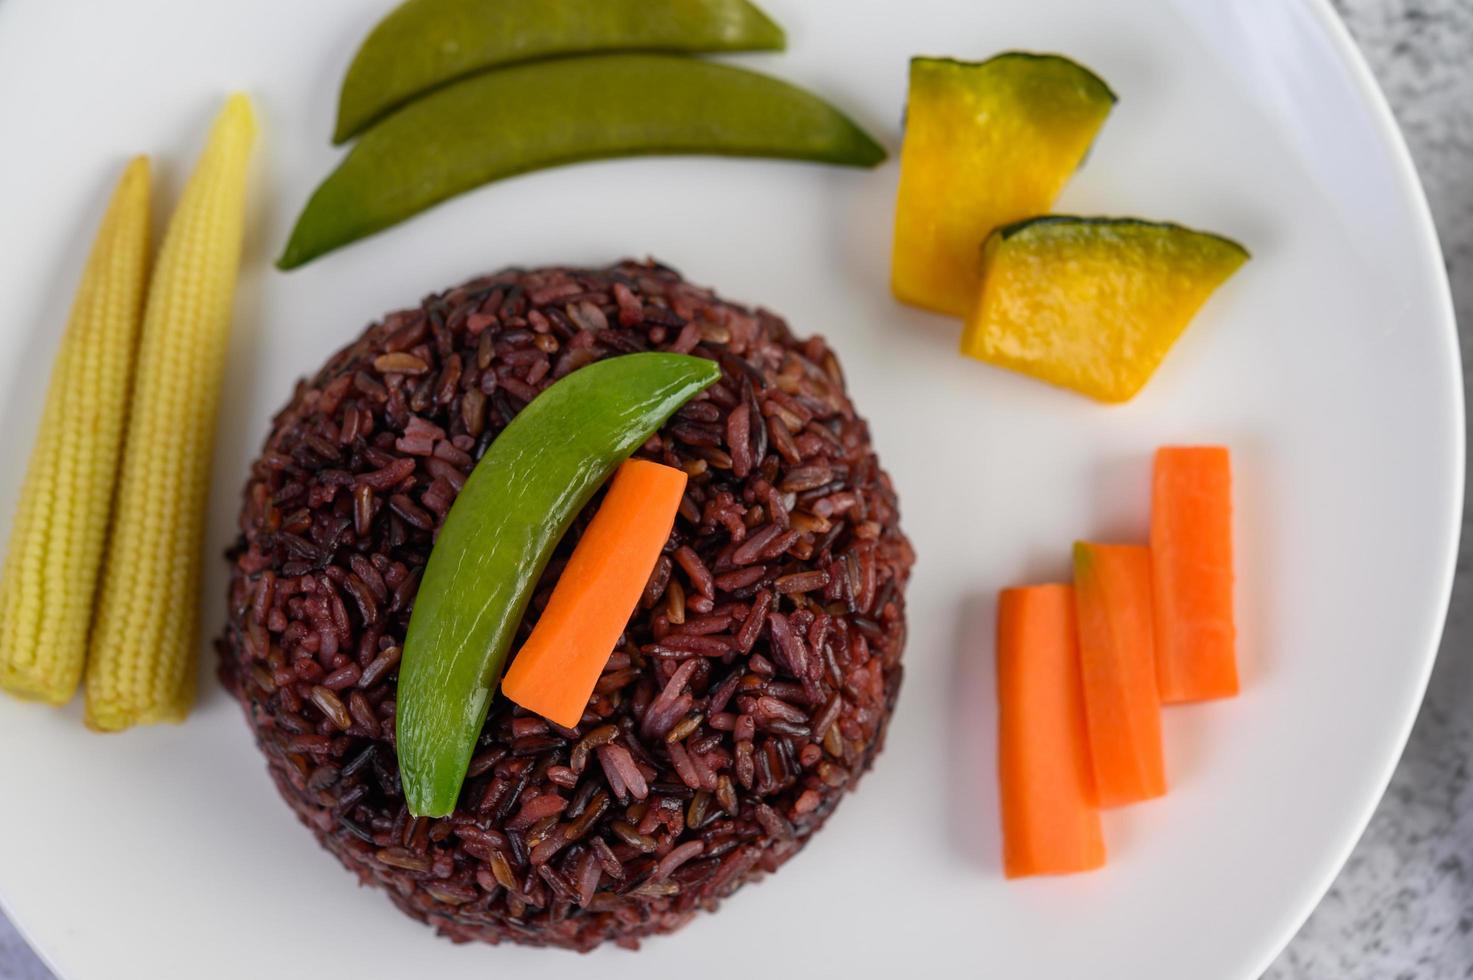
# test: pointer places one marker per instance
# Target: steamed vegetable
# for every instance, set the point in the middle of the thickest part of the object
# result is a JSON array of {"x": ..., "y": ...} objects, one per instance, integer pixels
[
  {"x": 424, "y": 44},
  {"x": 986, "y": 144},
  {"x": 145, "y": 639},
  {"x": 515, "y": 507},
  {"x": 1112, "y": 591},
  {"x": 1050, "y": 824},
  {"x": 1092, "y": 304},
  {"x": 1153, "y": 624},
  {"x": 56, "y": 544},
  {"x": 542, "y": 114},
  {"x": 1192, "y": 561},
  {"x": 554, "y": 672}
]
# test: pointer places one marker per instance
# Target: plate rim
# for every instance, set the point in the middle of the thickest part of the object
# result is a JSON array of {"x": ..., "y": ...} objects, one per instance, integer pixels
[{"x": 1368, "y": 89}]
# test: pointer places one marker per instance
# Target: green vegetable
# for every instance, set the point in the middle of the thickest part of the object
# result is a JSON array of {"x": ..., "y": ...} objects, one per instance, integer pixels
[
  {"x": 423, "y": 44},
  {"x": 495, "y": 542},
  {"x": 551, "y": 112}
]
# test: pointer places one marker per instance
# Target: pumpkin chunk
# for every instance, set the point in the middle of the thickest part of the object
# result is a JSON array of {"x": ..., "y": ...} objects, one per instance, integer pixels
[
  {"x": 1092, "y": 304},
  {"x": 986, "y": 143}
]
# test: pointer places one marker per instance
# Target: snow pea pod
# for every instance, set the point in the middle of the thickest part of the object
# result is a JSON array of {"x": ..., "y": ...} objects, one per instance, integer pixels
[
  {"x": 424, "y": 44},
  {"x": 516, "y": 505},
  {"x": 547, "y": 113}
]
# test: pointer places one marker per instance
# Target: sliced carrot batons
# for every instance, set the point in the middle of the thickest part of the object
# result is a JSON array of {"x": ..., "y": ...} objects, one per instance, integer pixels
[
  {"x": 1192, "y": 562},
  {"x": 1050, "y": 824},
  {"x": 1112, "y": 592},
  {"x": 554, "y": 672}
]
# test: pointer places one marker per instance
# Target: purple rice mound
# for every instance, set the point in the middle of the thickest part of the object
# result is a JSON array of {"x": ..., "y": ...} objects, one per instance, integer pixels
[{"x": 750, "y": 691}]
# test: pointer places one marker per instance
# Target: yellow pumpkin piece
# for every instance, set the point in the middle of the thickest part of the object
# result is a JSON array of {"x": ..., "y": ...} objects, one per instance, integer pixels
[
  {"x": 986, "y": 144},
  {"x": 1092, "y": 304}
]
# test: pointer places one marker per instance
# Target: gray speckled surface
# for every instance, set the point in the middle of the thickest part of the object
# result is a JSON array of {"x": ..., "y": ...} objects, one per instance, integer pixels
[
  {"x": 17, "y": 962},
  {"x": 1402, "y": 909}
]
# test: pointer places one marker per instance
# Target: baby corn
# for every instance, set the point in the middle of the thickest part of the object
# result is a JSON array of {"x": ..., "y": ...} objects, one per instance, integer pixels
[
  {"x": 143, "y": 653},
  {"x": 56, "y": 545}
]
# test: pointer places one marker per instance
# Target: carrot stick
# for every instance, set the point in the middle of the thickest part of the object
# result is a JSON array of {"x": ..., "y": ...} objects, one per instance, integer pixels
[
  {"x": 555, "y": 671},
  {"x": 1192, "y": 561},
  {"x": 1049, "y": 821},
  {"x": 1112, "y": 591}
]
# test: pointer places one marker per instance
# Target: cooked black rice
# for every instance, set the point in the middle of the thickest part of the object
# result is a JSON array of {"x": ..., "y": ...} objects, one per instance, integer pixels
[{"x": 750, "y": 691}]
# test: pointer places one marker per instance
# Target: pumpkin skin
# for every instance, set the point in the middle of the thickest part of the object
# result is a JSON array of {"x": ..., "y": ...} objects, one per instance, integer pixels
[
  {"x": 986, "y": 144},
  {"x": 1092, "y": 304}
]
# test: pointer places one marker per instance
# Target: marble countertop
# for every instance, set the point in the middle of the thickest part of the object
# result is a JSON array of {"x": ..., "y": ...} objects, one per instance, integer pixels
[{"x": 1402, "y": 908}]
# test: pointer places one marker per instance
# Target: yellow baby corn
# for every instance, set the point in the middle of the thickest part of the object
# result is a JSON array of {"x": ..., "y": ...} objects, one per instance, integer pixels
[
  {"x": 142, "y": 664},
  {"x": 56, "y": 544}
]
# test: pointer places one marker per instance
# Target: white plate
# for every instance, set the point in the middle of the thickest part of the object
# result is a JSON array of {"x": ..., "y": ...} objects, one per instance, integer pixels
[{"x": 1329, "y": 364}]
